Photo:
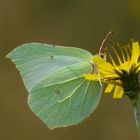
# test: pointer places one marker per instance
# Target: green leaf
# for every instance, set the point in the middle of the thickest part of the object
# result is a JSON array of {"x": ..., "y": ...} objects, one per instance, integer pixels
[{"x": 53, "y": 76}]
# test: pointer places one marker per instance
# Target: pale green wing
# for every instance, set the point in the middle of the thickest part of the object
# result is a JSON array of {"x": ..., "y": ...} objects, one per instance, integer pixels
[
  {"x": 36, "y": 61},
  {"x": 58, "y": 93},
  {"x": 65, "y": 98}
]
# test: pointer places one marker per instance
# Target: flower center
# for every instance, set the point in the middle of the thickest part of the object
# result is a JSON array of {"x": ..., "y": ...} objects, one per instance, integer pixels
[{"x": 130, "y": 81}]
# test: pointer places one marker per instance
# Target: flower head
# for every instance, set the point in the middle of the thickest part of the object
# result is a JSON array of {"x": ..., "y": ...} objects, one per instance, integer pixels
[{"x": 121, "y": 78}]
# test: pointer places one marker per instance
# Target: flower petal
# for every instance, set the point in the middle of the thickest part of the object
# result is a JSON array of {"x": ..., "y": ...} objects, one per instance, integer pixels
[
  {"x": 124, "y": 66},
  {"x": 103, "y": 66},
  {"x": 91, "y": 77},
  {"x": 138, "y": 67},
  {"x": 117, "y": 55},
  {"x": 122, "y": 53},
  {"x": 112, "y": 60},
  {"x": 127, "y": 51},
  {"x": 109, "y": 88},
  {"x": 118, "y": 92},
  {"x": 135, "y": 53},
  {"x": 109, "y": 76}
]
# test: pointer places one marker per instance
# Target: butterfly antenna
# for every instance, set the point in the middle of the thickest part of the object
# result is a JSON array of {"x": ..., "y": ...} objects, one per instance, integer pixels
[{"x": 103, "y": 47}]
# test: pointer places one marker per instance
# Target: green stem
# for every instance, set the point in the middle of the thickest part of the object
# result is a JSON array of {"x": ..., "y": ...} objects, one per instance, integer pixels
[{"x": 136, "y": 108}]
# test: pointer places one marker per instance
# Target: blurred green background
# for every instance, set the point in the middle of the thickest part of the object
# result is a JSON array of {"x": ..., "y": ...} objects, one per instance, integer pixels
[{"x": 79, "y": 23}]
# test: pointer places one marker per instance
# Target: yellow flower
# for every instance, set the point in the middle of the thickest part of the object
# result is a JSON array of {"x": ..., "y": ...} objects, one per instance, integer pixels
[{"x": 121, "y": 78}]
